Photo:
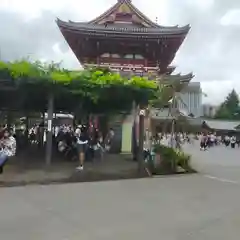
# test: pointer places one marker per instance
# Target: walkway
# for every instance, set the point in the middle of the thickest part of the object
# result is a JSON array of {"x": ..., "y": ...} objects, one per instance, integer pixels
[
  {"x": 188, "y": 207},
  {"x": 218, "y": 162},
  {"x": 33, "y": 170},
  {"x": 172, "y": 208}
]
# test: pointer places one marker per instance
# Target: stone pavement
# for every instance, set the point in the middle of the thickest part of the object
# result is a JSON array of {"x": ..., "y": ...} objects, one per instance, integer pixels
[
  {"x": 219, "y": 161},
  {"x": 29, "y": 168},
  {"x": 186, "y": 207},
  {"x": 112, "y": 167}
]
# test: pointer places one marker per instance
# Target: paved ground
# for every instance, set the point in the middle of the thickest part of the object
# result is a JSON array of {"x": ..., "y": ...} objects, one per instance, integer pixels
[
  {"x": 31, "y": 170},
  {"x": 195, "y": 207},
  {"x": 219, "y": 162}
]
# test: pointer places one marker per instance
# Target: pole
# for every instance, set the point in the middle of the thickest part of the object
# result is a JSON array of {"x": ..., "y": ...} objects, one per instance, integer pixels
[
  {"x": 141, "y": 141},
  {"x": 49, "y": 129},
  {"x": 173, "y": 112},
  {"x": 27, "y": 130},
  {"x": 134, "y": 132},
  {"x": 148, "y": 130}
]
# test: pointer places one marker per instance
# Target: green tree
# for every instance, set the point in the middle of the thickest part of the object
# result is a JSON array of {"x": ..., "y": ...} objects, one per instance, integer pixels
[
  {"x": 95, "y": 90},
  {"x": 229, "y": 108}
]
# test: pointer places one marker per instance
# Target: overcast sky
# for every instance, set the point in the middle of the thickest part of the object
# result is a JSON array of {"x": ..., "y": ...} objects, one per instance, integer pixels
[{"x": 211, "y": 51}]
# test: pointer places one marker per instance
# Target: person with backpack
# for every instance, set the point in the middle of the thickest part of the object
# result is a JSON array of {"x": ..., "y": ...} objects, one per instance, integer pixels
[{"x": 81, "y": 144}]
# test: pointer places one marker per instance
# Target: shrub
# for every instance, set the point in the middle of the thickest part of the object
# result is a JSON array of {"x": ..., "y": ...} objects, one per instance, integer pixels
[
  {"x": 171, "y": 159},
  {"x": 184, "y": 161}
]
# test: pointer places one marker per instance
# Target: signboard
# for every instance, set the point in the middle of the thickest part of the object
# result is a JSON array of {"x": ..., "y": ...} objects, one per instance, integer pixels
[{"x": 49, "y": 125}]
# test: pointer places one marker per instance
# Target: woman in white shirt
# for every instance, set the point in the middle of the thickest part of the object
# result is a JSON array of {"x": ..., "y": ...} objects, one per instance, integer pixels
[
  {"x": 233, "y": 141},
  {"x": 82, "y": 141},
  {"x": 8, "y": 148}
]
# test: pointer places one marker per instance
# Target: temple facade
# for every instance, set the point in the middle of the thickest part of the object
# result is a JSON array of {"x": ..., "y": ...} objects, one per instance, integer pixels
[{"x": 125, "y": 40}]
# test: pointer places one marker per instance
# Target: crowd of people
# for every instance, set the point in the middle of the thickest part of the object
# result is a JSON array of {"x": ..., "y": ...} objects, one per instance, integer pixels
[
  {"x": 173, "y": 140},
  {"x": 211, "y": 140},
  {"x": 80, "y": 143},
  {"x": 88, "y": 143}
]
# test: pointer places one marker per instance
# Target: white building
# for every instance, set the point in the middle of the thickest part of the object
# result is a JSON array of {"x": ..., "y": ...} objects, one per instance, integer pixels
[
  {"x": 190, "y": 99},
  {"x": 209, "y": 110},
  {"x": 189, "y": 102}
]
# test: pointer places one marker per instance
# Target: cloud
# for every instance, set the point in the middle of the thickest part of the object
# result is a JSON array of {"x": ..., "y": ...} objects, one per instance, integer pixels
[
  {"x": 231, "y": 18},
  {"x": 210, "y": 51},
  {"x": 210, "y": 89}
]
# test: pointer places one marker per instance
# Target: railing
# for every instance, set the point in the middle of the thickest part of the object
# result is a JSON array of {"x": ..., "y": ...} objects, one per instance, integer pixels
[
  {"x": 126, "y": 68},
  {"x": 123, "y": 61}
]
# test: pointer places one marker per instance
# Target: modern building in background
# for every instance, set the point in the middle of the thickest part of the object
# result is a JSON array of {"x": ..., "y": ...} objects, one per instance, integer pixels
[
  {"x": 189, "y": 102},
  {"x": 209, "y": 110},
  {"x": 190, "y": 99}
]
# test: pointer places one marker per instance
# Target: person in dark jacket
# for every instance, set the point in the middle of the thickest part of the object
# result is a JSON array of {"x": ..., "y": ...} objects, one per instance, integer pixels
[{"x": 82, "y": 143}]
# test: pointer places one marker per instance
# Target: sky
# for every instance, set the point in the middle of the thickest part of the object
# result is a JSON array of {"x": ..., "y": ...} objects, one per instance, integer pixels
[{"x": 211, "y": 50}]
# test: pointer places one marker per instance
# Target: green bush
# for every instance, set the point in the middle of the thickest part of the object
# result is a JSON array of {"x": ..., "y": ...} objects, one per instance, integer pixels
[
  {"x": 171, "y": 159},
  {"x": 184, "y": 161}
]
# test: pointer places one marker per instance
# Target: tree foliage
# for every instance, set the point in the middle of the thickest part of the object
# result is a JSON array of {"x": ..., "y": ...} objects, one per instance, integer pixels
[
  {"x": 95, "y": 90},
  {"x": 166, "y": 90},
  {"x": 229, "y": 109}
]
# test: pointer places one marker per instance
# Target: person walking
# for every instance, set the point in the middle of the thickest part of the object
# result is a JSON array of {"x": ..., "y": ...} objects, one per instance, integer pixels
[
  {"x": 203, "y": 142},
  {"x": 233, "y": 141},
  {"x": 82, "y": 143},
  {"x": 226, "y": 140}
]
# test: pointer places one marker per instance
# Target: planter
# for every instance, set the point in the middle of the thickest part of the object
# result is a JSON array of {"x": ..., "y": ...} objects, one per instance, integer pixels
[{"x": 158, "y": 160}]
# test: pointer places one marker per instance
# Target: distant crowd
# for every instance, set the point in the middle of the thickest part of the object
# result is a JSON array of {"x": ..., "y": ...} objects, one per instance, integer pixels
[
  {"x": 211, "y": 140},
  {"x": 206, "y": 140}
]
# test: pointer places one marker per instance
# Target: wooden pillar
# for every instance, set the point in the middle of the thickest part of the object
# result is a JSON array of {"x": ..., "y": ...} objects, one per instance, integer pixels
[
  {"x": 49, "y": 129},
  {"x": 9, "y": 119},
  {"x": 98, "y": 57},
  {"x": 41, "y": 130}
]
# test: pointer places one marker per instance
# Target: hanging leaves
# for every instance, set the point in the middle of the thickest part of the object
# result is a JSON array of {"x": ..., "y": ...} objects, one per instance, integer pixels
[{"x": 95, "y": 86}]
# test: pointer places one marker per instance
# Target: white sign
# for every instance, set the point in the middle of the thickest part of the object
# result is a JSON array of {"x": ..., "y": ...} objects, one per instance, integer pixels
[{"x": 49, "y": 125}]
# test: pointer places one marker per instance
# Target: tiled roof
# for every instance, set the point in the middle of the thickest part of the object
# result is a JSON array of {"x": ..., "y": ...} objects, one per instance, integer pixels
[
  {"x": 222, "y": 125},
  {"x": 131, "y": 8},
  {"x": 121, "y": 28}
]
